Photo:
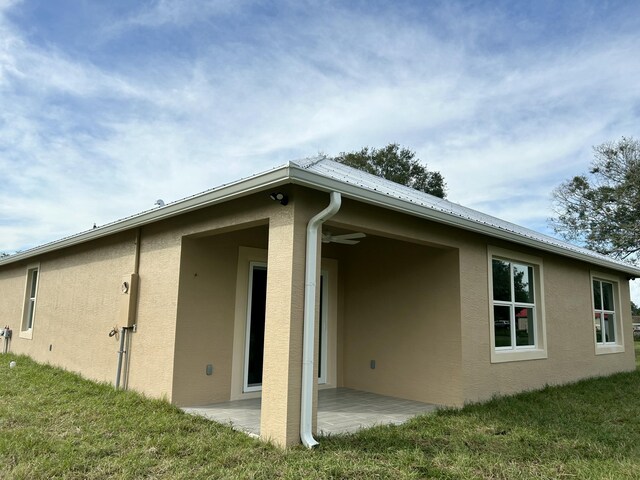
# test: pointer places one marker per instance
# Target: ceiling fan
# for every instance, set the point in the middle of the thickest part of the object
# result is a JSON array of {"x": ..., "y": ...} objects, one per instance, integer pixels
[{"x": 347, "y": 238}]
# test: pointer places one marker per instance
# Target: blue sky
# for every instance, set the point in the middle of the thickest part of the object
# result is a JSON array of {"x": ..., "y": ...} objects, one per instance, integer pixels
[{"x": 107, "y": 106}]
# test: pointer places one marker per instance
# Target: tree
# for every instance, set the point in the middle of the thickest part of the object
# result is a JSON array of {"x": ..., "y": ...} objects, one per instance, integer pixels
[
  {"x": 601, "y": 209},
  {"x": 635, "y": 310},
  {"x": 398, "y": 165}
]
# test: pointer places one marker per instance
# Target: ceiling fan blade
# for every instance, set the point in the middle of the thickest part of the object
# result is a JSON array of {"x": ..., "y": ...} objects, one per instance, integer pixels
[
  {"x": 350, "y": 236},
  {"x": 344, "y": 241},
  {"x": 347, "y": 238}
]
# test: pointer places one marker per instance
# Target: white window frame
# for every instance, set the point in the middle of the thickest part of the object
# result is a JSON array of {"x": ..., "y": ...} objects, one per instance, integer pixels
[
  {"x": 30, "y": 302},
  {"x": 523, "y": 352},
  {"x": 604, "y": 348}
]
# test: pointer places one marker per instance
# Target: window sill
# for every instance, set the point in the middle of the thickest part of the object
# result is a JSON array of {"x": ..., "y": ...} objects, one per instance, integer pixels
[
  {"x": 607, "y": 349},
  {"x": 501, "y": 356},
  {"x": 27, "y": 334}
]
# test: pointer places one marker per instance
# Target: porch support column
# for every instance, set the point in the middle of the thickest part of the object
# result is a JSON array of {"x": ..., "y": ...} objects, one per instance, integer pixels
[{"x": 282, "y": 368}]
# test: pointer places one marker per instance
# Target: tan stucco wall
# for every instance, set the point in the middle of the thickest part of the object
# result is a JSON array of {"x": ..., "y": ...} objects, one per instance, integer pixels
[
  {"x": 153, "y": 356},
  {"x": 569, "y": 329},
  {"x": 206, "y": 314},
  {"x": 567, "y": 294},
  {"x": 79, "y": 290},
  {"x": 12, "y": 288},
  {"x": 77, "y": 305},
  {"x": 402, "y": 309},
  {"x": 285, "y": 284}
]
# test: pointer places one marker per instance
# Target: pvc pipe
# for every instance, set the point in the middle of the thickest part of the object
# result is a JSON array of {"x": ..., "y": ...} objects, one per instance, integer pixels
[
  {"x": 123, "y": 332},
  {"x": 308, "y": 339}
]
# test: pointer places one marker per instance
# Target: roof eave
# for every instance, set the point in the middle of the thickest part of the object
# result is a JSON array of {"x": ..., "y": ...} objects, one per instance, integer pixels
[
  {"x": 291, "y": 173},
  {"x": 305, "y": 178},
  {"x": 240, "y": 188}
]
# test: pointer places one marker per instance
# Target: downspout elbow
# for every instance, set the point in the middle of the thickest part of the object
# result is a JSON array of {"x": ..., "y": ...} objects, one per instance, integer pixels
[{"x": 308, "y": 342}]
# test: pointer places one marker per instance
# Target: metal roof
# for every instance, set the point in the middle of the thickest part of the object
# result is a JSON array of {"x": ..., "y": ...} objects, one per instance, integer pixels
[{"x": 327, "y": 175}]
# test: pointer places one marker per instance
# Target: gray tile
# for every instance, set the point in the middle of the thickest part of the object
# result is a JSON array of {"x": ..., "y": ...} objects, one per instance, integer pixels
[{"x": 340, "y": 410}]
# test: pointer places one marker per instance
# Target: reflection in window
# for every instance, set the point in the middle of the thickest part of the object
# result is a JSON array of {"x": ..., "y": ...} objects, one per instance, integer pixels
[
  {"x": 604, "y": 314},
  {"x": 502, "y": 325},
  {"x": 501, "y": 280},
  {"x": 30, "y": 299},
  {"x": 513, "y": 305}
]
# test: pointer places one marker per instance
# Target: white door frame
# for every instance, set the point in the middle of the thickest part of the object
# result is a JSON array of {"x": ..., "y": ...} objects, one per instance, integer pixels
[
  {"x": 245, "y": 385},
  {"x": 322, "y": 379},
  {"x": 323, "y": 333}
]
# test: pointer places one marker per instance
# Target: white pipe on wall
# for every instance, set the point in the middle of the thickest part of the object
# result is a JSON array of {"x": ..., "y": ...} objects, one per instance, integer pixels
[
  {"x": 308, "y": 340},
  {"x": 121, "y": 352}
]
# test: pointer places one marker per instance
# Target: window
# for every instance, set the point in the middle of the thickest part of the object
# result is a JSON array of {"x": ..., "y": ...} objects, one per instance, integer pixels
[
  {"x": 607, "y": 326},
  {"x": 29, "y": 310},
  {"x": 517, "y": 317}
]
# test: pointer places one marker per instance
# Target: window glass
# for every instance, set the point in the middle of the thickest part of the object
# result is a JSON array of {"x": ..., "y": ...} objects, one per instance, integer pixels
[
  {"x": 501, "y": 280},
  {"x": 523, "y": 283},
  {"x": 525, "y": 327},
  {"x": 607, "y": 296},
  {"x": 502, "y": 325},
  {"x": 597, "y": 295},
  {"x": 609, "y": 327},
  {"x": 34, "y": 283},
  {"x": 598, "y": 327},
  {"x": 256, "y": 327},
  {"x": 30, "y": 300}
]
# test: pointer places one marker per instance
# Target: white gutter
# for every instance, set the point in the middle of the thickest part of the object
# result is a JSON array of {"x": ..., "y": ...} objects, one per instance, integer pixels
[{"x": 308, "y": 339}]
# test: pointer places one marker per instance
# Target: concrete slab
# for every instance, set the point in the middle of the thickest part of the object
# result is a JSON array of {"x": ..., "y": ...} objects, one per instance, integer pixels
[{"x": 340, "y": 410}]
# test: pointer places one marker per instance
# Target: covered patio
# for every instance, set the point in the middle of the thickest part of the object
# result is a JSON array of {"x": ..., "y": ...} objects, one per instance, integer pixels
[
  {"x": 387, "y": 334},
  {"x": 340, "y": 410}
]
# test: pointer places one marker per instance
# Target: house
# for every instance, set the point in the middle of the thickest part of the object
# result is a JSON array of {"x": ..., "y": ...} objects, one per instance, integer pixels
[{"x": 316, "y": 275}]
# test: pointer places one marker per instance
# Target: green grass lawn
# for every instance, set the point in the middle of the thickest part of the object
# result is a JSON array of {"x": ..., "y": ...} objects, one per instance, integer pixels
[{"x": 53, "y": 424}]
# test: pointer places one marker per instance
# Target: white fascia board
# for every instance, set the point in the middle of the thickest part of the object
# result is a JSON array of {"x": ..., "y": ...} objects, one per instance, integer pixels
[
  {"x": 309, "y": 179},
  {"x": 240, "y": 188}
]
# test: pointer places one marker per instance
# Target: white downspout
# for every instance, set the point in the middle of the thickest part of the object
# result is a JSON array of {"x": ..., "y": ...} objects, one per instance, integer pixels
[{"x": 308, "y": 339}]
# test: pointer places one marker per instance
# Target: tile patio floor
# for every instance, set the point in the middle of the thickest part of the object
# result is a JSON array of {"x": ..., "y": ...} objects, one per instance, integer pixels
[{"x": 340, "y": 410}]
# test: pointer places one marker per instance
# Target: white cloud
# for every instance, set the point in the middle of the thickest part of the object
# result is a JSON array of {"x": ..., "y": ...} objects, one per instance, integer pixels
[{"x": 83, "y": 139}]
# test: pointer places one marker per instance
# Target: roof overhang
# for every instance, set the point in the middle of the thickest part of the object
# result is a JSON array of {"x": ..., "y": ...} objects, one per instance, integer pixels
[
  {"x": 272, "y": 178},
  {"x": 303, "y": 177},
  {"x": 292, "y": 173}
]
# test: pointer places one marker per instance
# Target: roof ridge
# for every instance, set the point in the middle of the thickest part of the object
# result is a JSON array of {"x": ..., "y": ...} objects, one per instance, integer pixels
[{"x": 308, "y": 162}]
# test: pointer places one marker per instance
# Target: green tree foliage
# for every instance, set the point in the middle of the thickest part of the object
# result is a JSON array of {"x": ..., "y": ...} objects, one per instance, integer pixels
[
  {"x": 635, "y": 309},
  {"x": 601, "y": 209},
  {"x": 397, "y": 164}
]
